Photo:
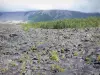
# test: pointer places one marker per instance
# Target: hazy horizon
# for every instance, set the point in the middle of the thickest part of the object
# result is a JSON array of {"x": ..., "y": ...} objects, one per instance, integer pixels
[{"x": 30, "y": 5}]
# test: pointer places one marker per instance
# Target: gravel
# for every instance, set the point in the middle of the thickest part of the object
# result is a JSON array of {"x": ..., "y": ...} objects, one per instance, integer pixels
[{"x": 28, "y": 52}]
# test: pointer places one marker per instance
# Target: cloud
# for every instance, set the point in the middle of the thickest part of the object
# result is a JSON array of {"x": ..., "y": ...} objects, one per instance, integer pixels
[
  {"x": 77, "y": 5},
  {"x": 88, "y": 6}
]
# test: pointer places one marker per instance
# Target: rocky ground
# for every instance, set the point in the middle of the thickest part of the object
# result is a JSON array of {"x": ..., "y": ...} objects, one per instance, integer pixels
[{"x": 49, "y": 51}]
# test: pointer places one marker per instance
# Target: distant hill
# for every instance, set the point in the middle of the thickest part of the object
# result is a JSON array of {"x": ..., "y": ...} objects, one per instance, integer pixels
[
  {"x": 43, "y": 15},
  {"x": 10, "y": 16},
  {"x": 48, "y": 15}
]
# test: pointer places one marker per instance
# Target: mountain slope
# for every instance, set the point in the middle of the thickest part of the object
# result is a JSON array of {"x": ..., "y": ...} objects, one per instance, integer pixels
[
  {"x": 43, "y": 15},
  {"x": 47, "y": 15},
  {"x": 18, "y": 16}
]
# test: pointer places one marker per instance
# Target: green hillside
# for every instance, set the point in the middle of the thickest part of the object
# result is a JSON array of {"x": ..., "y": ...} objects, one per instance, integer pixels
[
  {"x": 50, "y": 15},
  {"x": 66, "y": 23},
  {"x": 39, "y": 17}
]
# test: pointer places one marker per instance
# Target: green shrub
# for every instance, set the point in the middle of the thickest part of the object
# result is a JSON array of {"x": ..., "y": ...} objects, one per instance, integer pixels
[
  {"x": 3, "y": 69},
  {"x": 54, "y": 55},
  {"x": 88, "y": 60},
  {"x": 33, "y": 48},
  {"x": 63, "y": 56},
  {"x": 62, "y": 50},
  {"x": 13, "y": 63},
  {"x": 39, "y": 59},
  {"x": 75, "y": 53},
  {"x": 98, "y": 58},
  {"x": 66, "y": 23},
  {"x": 57, "y": 67}
]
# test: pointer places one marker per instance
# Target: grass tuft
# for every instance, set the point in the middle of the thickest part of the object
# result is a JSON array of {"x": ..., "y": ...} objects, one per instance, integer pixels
[
  {"x": 75, "y": 53},
  {"x": 88, "y": 60},
  {"x": 33, "y": 48},
  {"x": 98, "y": 58},
  {"x": 57, "y": 67},
  {"x": 54, "y": 55}
]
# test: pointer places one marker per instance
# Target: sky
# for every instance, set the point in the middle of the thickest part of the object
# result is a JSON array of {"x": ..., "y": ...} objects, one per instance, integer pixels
[{"x": 28, "y": 5}]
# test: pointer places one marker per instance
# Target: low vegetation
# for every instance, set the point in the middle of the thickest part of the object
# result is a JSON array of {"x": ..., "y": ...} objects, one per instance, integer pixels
[
  {"x": 88, "y": 60},
  {"x": 57, "y": 68},
  {"x": 23, "y": 68},
  {"x": 39, "y": 57},
  {"x": 62, "y": 50},
  {"x": 13, "y": 63},
  {"x": 33, "y": 49},
  {"x": 63, "y": 56},
  {"x": 75, "y": 53},
  {"x": 66, "y": 23},
  {"x": 54, "y": 55},
  {"x": 98, "y": 58},
  {"x": 3, "y": 70}
]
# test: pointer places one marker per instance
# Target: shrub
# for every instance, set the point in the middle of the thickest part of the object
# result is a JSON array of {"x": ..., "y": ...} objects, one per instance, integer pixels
[
  {"x": 66, "y": 23},
  {"x": 57, "y": 67},
  {"x": 13, "y": 63},
  {"x": 54, "y": 55},
  {"x": 88, "y": 60},
  {"x": 98, "y": 58},
  {"x": 3, "y": 69},
  {"x": 62, "y": 50},
  {"x": 33, "y": 48},
  {"x": 75, "y": 53}
]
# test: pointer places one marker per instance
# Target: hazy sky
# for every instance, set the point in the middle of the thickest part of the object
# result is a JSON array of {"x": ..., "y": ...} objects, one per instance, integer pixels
[{"x": 24, "y": 5}]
